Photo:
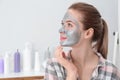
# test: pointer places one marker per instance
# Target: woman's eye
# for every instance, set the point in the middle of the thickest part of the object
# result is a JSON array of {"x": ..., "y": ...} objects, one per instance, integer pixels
[{"x": 69, "y": 25}]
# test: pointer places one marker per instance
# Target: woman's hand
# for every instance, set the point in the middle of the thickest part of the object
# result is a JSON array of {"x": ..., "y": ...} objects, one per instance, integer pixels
[{"x": 68, "y": 65}]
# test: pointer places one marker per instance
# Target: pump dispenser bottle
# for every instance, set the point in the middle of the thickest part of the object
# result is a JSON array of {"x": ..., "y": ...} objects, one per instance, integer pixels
[{"x": 27, "y": 57}]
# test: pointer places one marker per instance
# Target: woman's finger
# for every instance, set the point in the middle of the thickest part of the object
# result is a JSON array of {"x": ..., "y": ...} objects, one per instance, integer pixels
[{"x": 58, "y": 51}]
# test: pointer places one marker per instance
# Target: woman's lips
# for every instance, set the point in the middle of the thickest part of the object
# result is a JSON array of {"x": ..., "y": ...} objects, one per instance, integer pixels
[{"x": 63, "y": 38}]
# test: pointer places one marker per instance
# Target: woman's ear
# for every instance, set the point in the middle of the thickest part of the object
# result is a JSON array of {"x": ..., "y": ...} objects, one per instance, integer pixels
[{"x": 89, "y": 33}]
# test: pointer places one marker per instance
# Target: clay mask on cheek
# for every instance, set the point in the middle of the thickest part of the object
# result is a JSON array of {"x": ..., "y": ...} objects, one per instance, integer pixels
[{"x": 73, "y": 36}]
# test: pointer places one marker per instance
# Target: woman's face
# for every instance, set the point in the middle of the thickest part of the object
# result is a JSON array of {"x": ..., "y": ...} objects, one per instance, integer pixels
[{"x": 70, "y": 31}]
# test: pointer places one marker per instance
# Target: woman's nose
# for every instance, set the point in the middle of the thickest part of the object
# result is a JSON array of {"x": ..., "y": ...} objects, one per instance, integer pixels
[{"x": 62, "y": 30}]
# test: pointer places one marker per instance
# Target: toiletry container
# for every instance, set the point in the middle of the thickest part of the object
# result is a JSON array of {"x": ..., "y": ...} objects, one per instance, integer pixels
[
  {"x": 1, "y": 65},
  {"x": 7, "y": 64},
  {"x": 17, "y": 61},
  {"x": 27, "y": 57},
  {"x": 37, "y": 62}
]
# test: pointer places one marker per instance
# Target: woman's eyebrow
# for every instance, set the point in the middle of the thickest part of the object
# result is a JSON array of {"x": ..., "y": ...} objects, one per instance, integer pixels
[
  {"x": 62, "y": 22},
  {"x": 69, "y": 21}
]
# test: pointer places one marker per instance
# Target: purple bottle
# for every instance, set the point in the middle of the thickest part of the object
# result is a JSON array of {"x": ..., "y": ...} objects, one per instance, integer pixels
[
  {"x": 17, "y": 62},
  {"x": 1, "y": 65}
]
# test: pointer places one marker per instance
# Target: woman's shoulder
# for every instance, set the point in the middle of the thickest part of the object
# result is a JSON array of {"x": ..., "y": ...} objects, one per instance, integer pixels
[
  {"x": 107, "y": 69},
  {"x": 110, "y": 69},
  {"x": 106, "y": 63},
  {"x": 110, "y": 66}
]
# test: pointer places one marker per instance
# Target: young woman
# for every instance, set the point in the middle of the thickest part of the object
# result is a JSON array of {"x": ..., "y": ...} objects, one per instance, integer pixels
[{"x": 84, "y": 30}]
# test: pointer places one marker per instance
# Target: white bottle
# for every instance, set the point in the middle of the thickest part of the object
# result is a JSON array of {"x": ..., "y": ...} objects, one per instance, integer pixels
[
  {"x": 27, "y": 57},
  {"x": 7, "y": 63},
  {"x": 37, "y": 62}
]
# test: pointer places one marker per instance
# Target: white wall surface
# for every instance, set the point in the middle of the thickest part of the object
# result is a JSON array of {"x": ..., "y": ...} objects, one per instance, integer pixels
[{"x": 38, "y": 21}]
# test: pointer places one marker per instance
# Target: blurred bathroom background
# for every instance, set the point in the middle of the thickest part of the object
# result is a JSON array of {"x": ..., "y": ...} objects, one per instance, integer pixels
[{"x": 38, "y": 21}]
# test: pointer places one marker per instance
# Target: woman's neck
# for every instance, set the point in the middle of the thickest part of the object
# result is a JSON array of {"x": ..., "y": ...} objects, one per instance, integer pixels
[{"x": 83, "y": 56}]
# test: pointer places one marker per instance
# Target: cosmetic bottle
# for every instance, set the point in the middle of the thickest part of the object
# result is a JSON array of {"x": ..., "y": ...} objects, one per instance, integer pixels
[
  {"x": 37, "y": 62},
  {"x": 7, "y": 65},
  {"x": 1, "y": 65},
  {"x": 27, "y": 57},
  {"x": 17, "y": 61}
]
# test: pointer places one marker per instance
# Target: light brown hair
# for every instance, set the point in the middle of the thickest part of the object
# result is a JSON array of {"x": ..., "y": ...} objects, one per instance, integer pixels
[{"x": 92, "y": 19}]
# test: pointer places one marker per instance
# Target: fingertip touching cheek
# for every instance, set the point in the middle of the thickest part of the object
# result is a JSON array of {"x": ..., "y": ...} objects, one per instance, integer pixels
[{"x": 69, "y": 37}]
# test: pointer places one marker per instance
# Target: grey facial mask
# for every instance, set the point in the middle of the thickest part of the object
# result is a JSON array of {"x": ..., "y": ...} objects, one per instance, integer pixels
[
  {"x": 68, "y": 16},
  {"x": 73, "y": 36}
]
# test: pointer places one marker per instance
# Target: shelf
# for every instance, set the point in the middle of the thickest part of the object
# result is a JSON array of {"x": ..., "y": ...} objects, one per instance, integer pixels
[{"x": 21, "y": 74}]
